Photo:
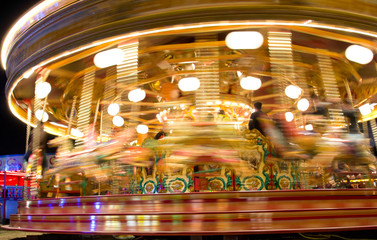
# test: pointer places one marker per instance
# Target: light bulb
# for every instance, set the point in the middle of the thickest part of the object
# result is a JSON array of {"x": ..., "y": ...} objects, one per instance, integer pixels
[
  {"x": 76, "y": 133},
  {"x": 250, "y": 83},
  {"x": 289, "y": 116},
  {"x": 42, "y": 90},
  {"x": 189, "y": 84},
  {"x": 293, "y": 91},
  {"x": 303, "y": 104},
  {"x": 359, "y": 54},
  {"x": 244, "y": 40},
  {"x": 41, "y": 116},
  {"x": 308, "y": 127},
  {"x": 113, "y": 109},
  {"x": 108, "y": 58},
  {"x": 142, "y": 129},
  {"x": 365, "y": 109},
  {"x": 118, "y": 121},
  {"x": 136, "y": 95}
]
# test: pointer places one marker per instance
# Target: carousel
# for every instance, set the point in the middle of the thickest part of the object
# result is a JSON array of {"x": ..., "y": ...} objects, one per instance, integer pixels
[{"x": 151, "y": 102}]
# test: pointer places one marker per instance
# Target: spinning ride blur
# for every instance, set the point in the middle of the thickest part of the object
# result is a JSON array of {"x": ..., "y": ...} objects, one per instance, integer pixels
[{"x": 107, "y": 96}]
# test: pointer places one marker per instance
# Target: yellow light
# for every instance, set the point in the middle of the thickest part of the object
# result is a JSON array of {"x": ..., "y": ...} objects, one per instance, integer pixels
[
  {"x": 108, "y": 58},
  {"x": 42, "y": 90},
  {"x": 359, "y": 54},
  {"x": 142, "y": 129},
  {"x": 293, "y": 91},
  {"x": 289, "y": 116},
  {"x": 118, "y": 121},
  {"x": 303, "y": 104},
  {"x": 113, "y": 109},
  {"x": 189, "y": 84},
  {"x": 76, "y": 133},
  {"x": 308, "y": 127},
  {"x": 250, "y": 83},
  {"x": 244, "y": 40},
  {"x": 41, "y": 116},
  {"x": 136, "y": 95}
]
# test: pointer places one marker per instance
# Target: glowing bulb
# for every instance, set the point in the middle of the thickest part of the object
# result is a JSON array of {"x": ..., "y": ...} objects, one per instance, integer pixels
[
  {"x": 308, "y": 127},
  {"x": 108, "y": 58},
  {"x": 142, "y": 129},
  {"x": 113, "y": 109},
  {"x": 41, "y": 115},
  {"x": 76, "y": 133},
  {"x": 293, "y": 91},
  {"x": 250, "y": 83},
  {"x": 189, "y": 84},
  {"x": 365, "y": 109},
  {"x": 303, "y": 104},
  {"x": 42, "y": 90},
  {"x": 136, "y": 95},
  {"x": 289, "y": 116},
  {"x": 359, "y": 54},
  {"x": 118, "y": 121},
  {"x": 244, "y": 40}
]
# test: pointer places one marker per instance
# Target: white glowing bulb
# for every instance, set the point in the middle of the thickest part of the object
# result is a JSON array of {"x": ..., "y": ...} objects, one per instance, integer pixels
[
  {"x": 359, "y": 54},
  {"x": 42, "y": 90},
  {"x": 118, "y": 121},
  {"x": 113, "y": 109},
  {"x": 365, "y": 109},
  {"x": 136, "y": 95},
  {"x": 303, "y": 104},
  {"x": 308, "y": 127},
  {"x": 41, "y": 116},
  {"x": 76, "y": 133},
  {"x": 244, "y": 40},
  {"x": 250, "y": 83},
  {"x": 109, "y": 58},
  {"x": 289, "y": 116},
  {"x": 142, "y": 129},
  {"x": 189, "y": 84},
  {"x": 293, "y": 91}
]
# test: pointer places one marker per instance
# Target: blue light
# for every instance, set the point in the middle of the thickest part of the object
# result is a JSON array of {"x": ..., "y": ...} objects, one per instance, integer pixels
[
  {"x": 93, "y": 223},
  {"x": 97, "y": 205}
]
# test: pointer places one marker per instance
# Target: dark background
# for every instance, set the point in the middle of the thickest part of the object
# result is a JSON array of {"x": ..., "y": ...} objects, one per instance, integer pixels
[{"x": 12, "y": 131}]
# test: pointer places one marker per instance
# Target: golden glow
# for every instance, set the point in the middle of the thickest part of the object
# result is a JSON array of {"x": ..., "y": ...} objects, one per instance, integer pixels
[
  {"x": 12, "y": 33},
  {"x": 26, "y": 21}
]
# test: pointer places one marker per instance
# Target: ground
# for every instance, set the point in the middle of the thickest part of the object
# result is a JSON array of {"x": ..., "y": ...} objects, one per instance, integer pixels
[{"x": 354, "y": 235}]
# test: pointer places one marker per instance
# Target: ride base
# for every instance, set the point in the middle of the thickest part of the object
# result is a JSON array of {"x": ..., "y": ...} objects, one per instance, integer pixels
[{"x": 209, "y": 213}]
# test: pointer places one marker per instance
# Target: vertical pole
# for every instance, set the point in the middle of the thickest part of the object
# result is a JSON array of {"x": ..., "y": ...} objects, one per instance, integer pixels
[{"x": 5, "y": 197}]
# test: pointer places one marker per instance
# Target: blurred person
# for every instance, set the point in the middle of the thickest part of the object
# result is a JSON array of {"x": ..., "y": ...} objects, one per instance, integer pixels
[
  {"x": 257, "y": 118},
  {"x": 352, "y": 116},
  {"x": 42, "y": 142}
]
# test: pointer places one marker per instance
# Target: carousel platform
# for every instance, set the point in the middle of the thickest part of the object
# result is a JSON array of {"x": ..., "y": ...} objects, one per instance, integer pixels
[{"x": 212, "y": 213}]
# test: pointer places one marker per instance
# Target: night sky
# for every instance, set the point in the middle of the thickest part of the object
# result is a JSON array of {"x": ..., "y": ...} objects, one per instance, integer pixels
[{"x": 13, "y": 131}]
